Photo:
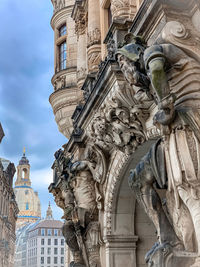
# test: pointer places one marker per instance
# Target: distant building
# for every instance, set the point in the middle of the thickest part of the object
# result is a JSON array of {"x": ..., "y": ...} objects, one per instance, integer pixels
[
  {"x": 27, "y": 199},
  {"x": 46, "y": 245},
  {"x": 21, "y": 244},
  {"x": 8, "y": 211}
]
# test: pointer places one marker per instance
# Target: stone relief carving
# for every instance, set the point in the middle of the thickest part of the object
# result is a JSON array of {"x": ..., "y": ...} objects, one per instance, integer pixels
[
  {"x": 94, "y": 37},
  {"x": 94, "y": 59},
  {"x": 116, "y": 5},
  {"x": 76, "y": 191},
  {"x": 81, "y": 73},
  {"x": 58, "y": 4},
  {"x": 59, "y": 83},
  {"x": 120, "y": 124},
  {"x": 81, "y": 23},
  {"x": 173, "y": 162}
]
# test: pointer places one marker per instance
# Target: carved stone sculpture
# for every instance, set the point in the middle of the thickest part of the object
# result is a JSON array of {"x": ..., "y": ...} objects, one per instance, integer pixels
[
  {"x": 76, "y": 192},
  {"x": 175, "y": 85}
]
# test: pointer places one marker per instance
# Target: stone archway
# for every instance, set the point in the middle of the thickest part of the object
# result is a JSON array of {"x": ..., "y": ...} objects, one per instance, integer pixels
[{"x": 126, "y": 225}]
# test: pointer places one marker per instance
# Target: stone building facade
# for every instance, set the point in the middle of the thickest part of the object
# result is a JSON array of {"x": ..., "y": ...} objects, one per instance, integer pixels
[
  {"x": 128, "y": 177},
  {"x": 45, "y": 243},
  {"x": 8, "y": 212}
]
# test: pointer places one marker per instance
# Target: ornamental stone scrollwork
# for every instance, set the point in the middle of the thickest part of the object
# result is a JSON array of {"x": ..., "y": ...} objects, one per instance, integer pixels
[
  {"x": 94, "y": 58},
  {"x": 94, "y": 37},
  {"x": 81, "y": 23},
  {"x": 173, "y": 162},
  {"x": 59, "y": 83},
  {"x": 176, "y": 33},
  {"x": 120, "y": 7},
  {"x": 76, "y": 191},
  {"x": 99, "y": 133}
]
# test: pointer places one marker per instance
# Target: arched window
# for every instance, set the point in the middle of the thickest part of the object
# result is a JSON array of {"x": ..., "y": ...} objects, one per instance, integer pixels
[
  {"x": 63, "y": 30},
  {"x": 24, "y": 173}
]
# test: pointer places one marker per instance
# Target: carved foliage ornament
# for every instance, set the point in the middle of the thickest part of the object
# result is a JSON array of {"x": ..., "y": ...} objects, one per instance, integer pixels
[{"x": 121, "y": 123}]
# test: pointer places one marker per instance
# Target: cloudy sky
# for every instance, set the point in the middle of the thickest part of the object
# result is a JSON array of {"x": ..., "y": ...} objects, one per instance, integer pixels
[{"x": 26, "y": 68}]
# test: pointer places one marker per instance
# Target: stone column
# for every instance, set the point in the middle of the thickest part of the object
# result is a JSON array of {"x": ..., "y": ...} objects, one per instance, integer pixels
[
  {"x": 94, "y": 36},
  {"x": 81, "y": 49}
]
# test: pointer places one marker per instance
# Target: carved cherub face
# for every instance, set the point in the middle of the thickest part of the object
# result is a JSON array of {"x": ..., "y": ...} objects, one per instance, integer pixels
[{"x": 128, "y": 68}]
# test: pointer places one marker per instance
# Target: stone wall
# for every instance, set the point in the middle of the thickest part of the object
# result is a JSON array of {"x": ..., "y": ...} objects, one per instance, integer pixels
[{"x": 127, "y": 121}]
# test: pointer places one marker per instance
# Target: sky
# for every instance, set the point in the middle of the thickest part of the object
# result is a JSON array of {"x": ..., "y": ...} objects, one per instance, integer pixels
[{"x": 26, "y": 68}]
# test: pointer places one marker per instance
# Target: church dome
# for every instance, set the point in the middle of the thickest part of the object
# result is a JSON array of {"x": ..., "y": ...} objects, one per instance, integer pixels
[{"x": 27, "y": 199}]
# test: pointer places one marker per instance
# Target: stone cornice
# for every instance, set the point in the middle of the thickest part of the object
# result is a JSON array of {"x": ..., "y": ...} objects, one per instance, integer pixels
[
  {"x": 150, "y": 10},
  {"x": 60, "y": 16}
]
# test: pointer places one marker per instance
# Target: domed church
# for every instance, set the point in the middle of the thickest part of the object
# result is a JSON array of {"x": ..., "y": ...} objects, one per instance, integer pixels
[{"x": 27, "y": 199}]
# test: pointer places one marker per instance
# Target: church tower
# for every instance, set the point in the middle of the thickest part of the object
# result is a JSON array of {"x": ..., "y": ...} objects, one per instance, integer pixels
[
  {"x": 27, "y": 199},
  {"x": 23, "y": 172}
]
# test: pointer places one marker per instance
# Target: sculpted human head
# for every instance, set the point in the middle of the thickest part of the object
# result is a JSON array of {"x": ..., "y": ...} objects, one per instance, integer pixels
[{"x": 130, "y": 58}]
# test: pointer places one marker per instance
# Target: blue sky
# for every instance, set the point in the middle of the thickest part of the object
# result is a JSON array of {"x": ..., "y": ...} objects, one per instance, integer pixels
[{"x": 26, "y": 68}]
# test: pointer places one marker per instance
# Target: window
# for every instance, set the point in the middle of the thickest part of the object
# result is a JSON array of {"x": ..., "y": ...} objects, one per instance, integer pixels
[
  {"x": 42, "y": 241},
  {"x": 49, "y": 242},
  {"x": 27, "y": 206},
  {"x": 55, "y": 251},
  {"x": 49, "y": 232},
  {"x": 55, "y": 242},
  {"x": 63, "y": 30},
  {"x": 42, "y": 260},
  {"x": 48, "y": 260},
  {"x": 48, "y": 251},
  {"x": 42, "y": 232},
  {"x": 55, "y": 232},
  {"x": 42, "y": 251},
  {"x": 62, "y": 251},
  {"x": 62, "y": 242},
  {"x": 62, "y": 260},
  {"x": 63, "y": 55},
  {"x": 55, "y": 260}
]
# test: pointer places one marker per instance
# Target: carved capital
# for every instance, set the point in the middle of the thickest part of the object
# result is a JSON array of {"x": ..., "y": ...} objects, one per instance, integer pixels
[
  {"x": 94, "y": 37},
  {"x": 120, "y": 7}
]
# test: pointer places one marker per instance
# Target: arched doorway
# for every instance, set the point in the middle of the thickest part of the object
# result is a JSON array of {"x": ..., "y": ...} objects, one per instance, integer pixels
[{"x": 129, "y": 233}]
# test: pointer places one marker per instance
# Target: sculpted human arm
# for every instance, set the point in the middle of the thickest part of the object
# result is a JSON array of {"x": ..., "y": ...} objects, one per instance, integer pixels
[{"x": 156, "y": 64}]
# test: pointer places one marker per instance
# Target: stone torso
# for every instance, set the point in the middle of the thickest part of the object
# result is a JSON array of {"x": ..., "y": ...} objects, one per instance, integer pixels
[{"x": 84, "y": 191}]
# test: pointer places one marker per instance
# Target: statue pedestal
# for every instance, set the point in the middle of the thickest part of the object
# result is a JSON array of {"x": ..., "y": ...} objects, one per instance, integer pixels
[{"x": 166, "y": 256}]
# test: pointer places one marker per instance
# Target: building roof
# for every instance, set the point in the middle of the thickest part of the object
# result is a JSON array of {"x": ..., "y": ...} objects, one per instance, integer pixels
[
  {"x": 24, "y": 160},
  {"x": 48, "y": 224}
]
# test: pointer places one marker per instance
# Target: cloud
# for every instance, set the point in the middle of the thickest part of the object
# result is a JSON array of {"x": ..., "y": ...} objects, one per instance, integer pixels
[{"x": 25, "y": 72}]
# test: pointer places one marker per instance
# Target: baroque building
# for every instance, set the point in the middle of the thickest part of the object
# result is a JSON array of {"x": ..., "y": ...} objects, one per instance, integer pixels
[
  {"x": 8, "y": 211},
  {"x": 40, "y": 243},
  {"x": 27, "y": 199},
  {"x": 128, "y": 177}
]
